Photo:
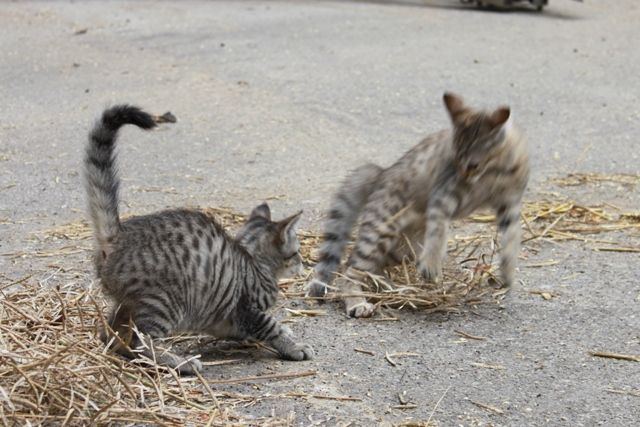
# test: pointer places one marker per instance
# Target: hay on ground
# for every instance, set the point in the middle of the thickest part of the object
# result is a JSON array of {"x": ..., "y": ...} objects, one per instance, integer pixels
[{"x": 54, "y": 370}]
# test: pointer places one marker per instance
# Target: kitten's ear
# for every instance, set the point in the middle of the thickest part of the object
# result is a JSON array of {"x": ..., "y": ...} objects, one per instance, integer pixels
[
  {"x": 499, "y": 117},
  {"x": 287, "y": 227},
  {"x": 455, "y": 105},
  {"x": 261, "y": 211}
]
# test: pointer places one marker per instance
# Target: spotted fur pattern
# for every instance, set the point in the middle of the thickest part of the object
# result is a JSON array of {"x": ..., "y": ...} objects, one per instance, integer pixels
[
  {"x": 407, "y": 208},
  {"x": 178, "y": 270}
]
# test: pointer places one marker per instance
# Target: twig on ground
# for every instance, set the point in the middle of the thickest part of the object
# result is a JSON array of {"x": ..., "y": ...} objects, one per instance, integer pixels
[{"x": 618, "y": 356}]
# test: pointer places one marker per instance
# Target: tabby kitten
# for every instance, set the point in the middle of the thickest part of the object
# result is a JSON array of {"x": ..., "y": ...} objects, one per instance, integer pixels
[
  {"x": 481, "y": 162},
  {"x": 178, "y": 270}
]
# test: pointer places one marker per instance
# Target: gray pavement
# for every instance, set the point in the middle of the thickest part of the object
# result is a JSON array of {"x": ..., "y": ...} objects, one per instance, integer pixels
[{"x": 277, "y": 100}]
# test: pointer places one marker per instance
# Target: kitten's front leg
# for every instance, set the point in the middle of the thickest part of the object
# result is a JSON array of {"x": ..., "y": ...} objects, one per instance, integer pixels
[
  {"x": 435, "y": 239},
  {"x": 261, "y": 326},
  {"x": 508, "y": 217}
]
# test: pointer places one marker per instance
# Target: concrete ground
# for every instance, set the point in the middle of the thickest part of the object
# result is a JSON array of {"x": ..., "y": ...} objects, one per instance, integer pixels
[{"x": 277, "y": 100}]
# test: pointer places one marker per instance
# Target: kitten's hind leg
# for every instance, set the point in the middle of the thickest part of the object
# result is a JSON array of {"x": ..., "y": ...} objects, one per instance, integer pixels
[
  {"x": 133, "y": 334},
  {"x": 163, "y": 356},
  {"x": 345, "y": 209},
  {"x": 118, "y": 332},
  {"x": 261, "y": 326},
  {"x": 376, "y": 246},
  {"x": 366, "y": 256}
]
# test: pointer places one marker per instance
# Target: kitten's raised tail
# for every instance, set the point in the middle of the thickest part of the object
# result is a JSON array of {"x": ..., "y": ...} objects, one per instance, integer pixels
[{"x": 100, "y": 176}]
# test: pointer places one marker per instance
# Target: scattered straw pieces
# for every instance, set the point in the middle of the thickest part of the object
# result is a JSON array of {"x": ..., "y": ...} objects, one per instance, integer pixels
[
  {"x": 631, "y": 216},
  {"x": 629, "y": 392},
  {"x": 433, "y": 411},
  {"x": 390, "y": 357},
  {"x": 617, "y": 249},
  {"x": 306, "y": 313},
  {"x": 402, "y": 398},
  {"x": 53, "y": 368},
  {"x": 575, "y": 179},
  {"x": 469, "y": 336},
  {"x": 542, "y": 264},
  {"x": 606, "y": 354},
  {"x": 221, "y": 362},
  {"x": 407, "y": 406},
  {"x": 488, "y": 407},
  {"x": 484, "y": 365},
  {"x": 546, "y": 295},
  {"x": 283, "y": 376},
  {"x": 359, "y": 350},
  {"x": 165, "y": 190},
  {"x": 324, "y": 397}
]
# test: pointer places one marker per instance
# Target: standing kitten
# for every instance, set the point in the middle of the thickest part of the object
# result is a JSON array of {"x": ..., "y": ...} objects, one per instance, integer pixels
[
  {"x": 481, "y": 162},
  {"x": 178, "y": 270}
]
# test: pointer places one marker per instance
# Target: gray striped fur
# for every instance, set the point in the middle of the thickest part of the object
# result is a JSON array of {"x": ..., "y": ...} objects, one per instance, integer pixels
[
  {"x": 406, "y": 209},
  {"x": 345, "y": 209},
  {"x": 178, "y": 271}
]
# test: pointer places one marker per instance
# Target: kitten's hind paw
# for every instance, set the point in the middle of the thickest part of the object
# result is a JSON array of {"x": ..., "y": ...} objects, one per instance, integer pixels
[
  {"x": 316, "y": 289},
  {"x": 360, "y": 310},
  {"x": 189, "y": 367},
  {"x": 298, "y": 352}
]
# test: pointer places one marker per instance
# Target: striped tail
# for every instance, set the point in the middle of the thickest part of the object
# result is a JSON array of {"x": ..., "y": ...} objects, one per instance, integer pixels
[
  {"x": 345, "y": 209},
  {"x": 100, "y": 176}
]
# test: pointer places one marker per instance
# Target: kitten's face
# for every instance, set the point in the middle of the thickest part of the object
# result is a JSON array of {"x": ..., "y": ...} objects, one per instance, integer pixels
[
  {"x": 273, "y": 241},
  {"x": 477, "y": 137}
]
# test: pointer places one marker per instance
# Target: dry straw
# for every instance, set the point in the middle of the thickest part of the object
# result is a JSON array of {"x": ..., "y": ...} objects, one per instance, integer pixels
[{"x": 54, "y": 370}]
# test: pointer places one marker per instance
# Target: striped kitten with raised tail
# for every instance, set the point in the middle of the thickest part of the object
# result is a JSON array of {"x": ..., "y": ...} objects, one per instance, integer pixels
[
  {"x": 406, "y": 208},
  {"x": 178, "y": 270}
]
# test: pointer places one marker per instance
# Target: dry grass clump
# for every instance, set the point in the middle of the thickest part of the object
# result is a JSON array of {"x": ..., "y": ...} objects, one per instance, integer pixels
[
  {"x": 563, "y": 219},
  {"x": 54, "y": 370}
]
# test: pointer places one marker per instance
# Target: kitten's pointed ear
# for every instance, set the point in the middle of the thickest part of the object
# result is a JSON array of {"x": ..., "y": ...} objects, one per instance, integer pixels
[
  {"x": 287, "y": 226},
  {"x": 455, "y": 105},
  {"x": 261, "y": 211},
  {"x": 499, "y": 117}
]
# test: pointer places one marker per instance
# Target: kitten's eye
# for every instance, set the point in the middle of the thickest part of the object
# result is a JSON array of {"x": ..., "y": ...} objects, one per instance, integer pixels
[
  {"x": 288, "y": 257},
  {"x": 472, "y": 166}
]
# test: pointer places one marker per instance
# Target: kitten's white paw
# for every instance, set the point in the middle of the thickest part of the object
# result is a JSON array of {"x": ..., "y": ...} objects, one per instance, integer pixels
[
  {"x": 299, "y": 352},
  {"x": 431, "y": 272},
  {"x": 315, "y": 288},
  {"x": 363, "y": 309},
  {"x": 190, "y": 367}
]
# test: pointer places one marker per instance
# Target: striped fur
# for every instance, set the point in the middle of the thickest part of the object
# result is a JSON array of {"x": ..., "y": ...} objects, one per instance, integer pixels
[
  {"x": 405, "y": 210},
  {"x": 178, "y": 270}
]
